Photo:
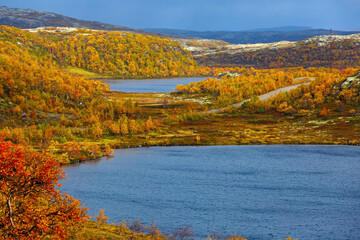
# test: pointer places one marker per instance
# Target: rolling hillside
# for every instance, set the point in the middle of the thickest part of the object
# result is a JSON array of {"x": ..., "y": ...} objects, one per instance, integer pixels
[
  {"x": 253, "y": 36},
  {"x": 28, "y": 18},
  {"x": 312, "y": 52}
]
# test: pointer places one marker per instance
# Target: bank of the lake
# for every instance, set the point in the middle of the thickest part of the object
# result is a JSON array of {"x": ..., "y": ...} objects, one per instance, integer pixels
[
  {"x": 179, "y": 127},
  {"x": 262, "y": 192}
]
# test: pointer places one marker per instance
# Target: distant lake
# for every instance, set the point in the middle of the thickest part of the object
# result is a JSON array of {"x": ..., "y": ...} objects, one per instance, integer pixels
[
  {"x": 261, "y": 192},
  {"x": 148, "y": 85}
]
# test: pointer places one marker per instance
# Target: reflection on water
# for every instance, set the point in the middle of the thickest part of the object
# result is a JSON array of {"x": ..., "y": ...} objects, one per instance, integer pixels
[{"x": 262, "y": 192}]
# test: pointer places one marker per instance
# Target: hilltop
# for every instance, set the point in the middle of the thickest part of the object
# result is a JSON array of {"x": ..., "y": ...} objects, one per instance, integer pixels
[
  {"x": 311, "y": 52},
  {"x": 199, "y": 47},
  {"x": 28, "y": 18},
  {"x": 252, "y": 36}
]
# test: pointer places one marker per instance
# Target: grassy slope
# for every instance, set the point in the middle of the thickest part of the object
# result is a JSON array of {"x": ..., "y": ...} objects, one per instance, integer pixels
[
  {"x": 84, "y": 73},
  {"x": 253, "y": 128}
]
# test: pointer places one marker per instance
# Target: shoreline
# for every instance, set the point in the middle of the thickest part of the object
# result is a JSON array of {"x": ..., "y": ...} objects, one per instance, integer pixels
[
  {"x": 144, "y": 78},
  {"x": 212, "y": 145}
]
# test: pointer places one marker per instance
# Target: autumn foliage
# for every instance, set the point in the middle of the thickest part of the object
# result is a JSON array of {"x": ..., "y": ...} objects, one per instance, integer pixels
[
  {"x": 44, "y": 105},
  {"x": 345, "y": 54},
  {"x": 41, "y": 104},
  {"x": 320, "y": 95},
  {"x": 120, "y": 54},
  {"x": 30, "y": 205},
  {"x": 248, "y": 83},
  {"x": 251, "y": 83}
]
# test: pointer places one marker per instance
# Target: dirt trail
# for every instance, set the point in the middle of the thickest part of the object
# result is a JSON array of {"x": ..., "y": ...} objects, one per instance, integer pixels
[{"x": 262, "y": 97}]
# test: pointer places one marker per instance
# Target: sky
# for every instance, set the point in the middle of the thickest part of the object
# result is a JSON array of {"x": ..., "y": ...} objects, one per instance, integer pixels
[{"x": 206, "y": 15}]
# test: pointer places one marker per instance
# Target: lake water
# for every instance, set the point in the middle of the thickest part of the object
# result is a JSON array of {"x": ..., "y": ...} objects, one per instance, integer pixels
[
  {"x": 149, "y": 85},
  {"x": 261, "y": 192}
]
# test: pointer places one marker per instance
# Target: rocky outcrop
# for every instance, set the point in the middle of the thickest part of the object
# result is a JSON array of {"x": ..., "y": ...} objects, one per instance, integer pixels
[
  {"x": 227, "y": 74},
  {"x": 348, "y": 83}
]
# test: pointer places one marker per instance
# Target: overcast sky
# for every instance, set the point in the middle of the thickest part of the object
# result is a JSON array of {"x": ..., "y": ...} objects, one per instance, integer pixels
[{"x": 206, "y": 14}]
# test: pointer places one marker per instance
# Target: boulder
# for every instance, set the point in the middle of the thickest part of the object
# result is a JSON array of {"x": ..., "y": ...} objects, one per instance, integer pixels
[
  {"x": 227, "y": 74},
  {"x": 348, "y": 83}
]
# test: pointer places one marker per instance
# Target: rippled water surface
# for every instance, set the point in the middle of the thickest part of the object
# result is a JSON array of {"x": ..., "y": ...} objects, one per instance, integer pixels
[
  {"x": 149, "y": 85},
  {"x": 261, "y": 192}
]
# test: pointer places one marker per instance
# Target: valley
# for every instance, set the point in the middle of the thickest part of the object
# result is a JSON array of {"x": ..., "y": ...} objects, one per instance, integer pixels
[{"x": 74, "y": 91}]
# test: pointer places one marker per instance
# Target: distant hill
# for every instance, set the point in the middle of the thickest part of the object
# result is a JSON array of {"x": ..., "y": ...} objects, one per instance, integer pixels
[
  {"x": 280, "y": 29},
  {"x": 312, "y": 52},
  {"x": 255, "y": 36},
  {"x": 27, "y": 18}
]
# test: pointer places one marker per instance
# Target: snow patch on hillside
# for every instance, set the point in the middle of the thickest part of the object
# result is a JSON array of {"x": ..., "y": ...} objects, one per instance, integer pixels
[{"x": 199, "y": 49}]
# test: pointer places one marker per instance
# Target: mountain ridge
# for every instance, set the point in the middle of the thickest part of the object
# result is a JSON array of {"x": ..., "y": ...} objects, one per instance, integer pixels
[
  {"x": 28, "y": 18},
  {"x": 243, "y": 37},
  {"x": 280, "y": 29}
]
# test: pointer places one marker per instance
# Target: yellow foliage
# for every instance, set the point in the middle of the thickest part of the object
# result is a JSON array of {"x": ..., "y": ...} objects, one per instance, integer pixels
[
  {"x": 101, "y": 218},
  {"x": 18, "y": 135},
  {"x": 95, "y": 131},
  {"x": 124, "y": 127}
]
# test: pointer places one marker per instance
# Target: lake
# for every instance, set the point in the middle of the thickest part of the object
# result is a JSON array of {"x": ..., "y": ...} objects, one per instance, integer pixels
[
  {"x": 148, "y": 85},
  {"x": 261, "y": 192}
]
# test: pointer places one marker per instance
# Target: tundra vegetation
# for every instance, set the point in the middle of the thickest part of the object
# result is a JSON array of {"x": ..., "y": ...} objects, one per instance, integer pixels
[{"x": 52, "y": 114}]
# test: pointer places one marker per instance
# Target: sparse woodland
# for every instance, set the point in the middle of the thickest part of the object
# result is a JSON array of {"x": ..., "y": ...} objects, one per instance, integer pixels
[
  {"x": 251, "y": 83},
  {"x": 345, "y": 54}
]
